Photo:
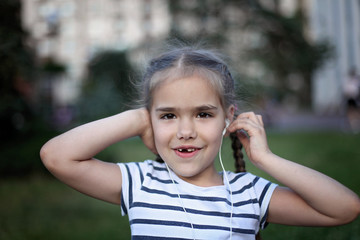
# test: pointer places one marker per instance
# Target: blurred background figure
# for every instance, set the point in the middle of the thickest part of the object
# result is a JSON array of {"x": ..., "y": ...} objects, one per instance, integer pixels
[{"x": 352, "y": 98}]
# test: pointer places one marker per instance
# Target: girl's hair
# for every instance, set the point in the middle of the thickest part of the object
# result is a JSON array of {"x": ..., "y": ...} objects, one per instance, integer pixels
[{"x": 185, "y": 62}]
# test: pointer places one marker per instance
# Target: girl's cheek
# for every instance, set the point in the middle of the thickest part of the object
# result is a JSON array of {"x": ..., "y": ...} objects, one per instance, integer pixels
[{"x": 161, "y": 132}]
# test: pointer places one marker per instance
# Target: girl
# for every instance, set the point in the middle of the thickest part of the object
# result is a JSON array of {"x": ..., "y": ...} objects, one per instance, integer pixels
[{"x": 188, "y": 106}]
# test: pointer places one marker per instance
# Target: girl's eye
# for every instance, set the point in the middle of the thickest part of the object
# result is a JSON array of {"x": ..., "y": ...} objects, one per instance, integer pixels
[
  {"x": 204, "y": 115},
  {"x": 167, "y": 116}
]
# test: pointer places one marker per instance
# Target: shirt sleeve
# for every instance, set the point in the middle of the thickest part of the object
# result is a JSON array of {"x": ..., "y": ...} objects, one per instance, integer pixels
[
  {"x": 264, "y": 190},
  {"x": 132, "y": 179}
]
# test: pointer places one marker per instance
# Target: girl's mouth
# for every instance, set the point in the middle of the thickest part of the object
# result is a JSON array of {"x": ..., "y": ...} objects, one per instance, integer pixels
[{"x": 186, "y": 152}]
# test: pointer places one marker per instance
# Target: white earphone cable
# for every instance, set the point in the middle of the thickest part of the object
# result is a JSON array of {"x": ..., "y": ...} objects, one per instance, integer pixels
[
  {"x": 228, "y": 183},
  {"x": 181, "y": 201}
]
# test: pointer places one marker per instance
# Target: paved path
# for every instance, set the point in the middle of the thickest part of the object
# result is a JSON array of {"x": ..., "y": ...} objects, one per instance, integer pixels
[{"x": 307, "y": 121}]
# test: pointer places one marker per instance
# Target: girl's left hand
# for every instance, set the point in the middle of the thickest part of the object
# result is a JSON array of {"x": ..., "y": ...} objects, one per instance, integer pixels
[{"x": 254, "y": 140}]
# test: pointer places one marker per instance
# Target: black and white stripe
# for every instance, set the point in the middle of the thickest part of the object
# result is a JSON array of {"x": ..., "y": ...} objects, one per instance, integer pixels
[{"x": 151, "y": 201}]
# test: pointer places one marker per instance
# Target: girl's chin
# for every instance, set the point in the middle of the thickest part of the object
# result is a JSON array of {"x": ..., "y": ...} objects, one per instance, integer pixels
[
  {"x": 193, "y": 174},
  {"x": 186, "y": 172}
]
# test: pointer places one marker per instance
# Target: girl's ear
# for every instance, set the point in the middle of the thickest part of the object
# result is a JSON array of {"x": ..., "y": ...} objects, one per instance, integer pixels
[{"x": 230, "y": 112}]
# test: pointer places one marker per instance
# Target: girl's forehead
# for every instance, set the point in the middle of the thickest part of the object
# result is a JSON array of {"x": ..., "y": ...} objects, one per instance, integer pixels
[{"x": 185, "y": 92}]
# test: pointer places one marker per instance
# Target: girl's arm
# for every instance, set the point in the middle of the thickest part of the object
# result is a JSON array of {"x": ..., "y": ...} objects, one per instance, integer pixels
[
  {"x": 310, "y": 198},
  {"x": 69, "y": 156}
]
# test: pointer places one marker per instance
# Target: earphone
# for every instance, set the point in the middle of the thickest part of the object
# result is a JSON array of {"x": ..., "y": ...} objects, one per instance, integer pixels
[{"x": 227, "y": 123}]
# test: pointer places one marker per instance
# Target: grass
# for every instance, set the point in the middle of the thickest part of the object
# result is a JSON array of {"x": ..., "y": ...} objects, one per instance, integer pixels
[
  {"x": 43, "y": 208},
  {"x": 40, "y": 207}
]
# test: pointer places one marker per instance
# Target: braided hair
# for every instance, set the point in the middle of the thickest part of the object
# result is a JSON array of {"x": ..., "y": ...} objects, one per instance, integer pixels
[{"x": 237, "y": 153}]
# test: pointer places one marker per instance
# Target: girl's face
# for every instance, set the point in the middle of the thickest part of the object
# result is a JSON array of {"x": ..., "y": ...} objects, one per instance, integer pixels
[{"x": 188, "y": 119}]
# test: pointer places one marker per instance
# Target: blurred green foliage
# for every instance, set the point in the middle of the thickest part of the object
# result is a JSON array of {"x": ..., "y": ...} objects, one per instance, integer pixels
[
  {"x": 21, "y": 133},
  {"x": 16, "y": 73},
  {"x": 20, "y": 157},
  {"x": 286, "y": 51},
  {"x": 108, "y": 87},
  {"x": 279, "y": 43}
]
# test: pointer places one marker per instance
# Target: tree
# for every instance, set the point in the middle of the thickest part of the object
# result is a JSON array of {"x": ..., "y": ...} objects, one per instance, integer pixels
[
  {"x": 107, "y": 89},
  {"x": 16, "y": 71},
  {"x": 284, "y": 52}
]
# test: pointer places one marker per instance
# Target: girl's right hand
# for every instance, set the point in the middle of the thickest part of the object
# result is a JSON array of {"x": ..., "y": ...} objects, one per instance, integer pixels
[
  {"x": 70, "y": 156},
  {"x": 146, "y": 133}
]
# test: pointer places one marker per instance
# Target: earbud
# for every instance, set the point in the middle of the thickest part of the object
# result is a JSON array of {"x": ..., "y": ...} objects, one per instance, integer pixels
[{"x": 227, "y": 123}]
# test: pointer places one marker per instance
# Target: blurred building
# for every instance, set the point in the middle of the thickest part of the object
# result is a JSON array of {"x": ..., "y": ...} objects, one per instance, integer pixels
[
  {"x": 72, "y": 31},
  {"x": 339, "y": 23}
]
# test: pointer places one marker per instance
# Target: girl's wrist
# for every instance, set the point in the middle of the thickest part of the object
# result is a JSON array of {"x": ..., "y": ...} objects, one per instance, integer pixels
[{"x": 263, "y": 160}]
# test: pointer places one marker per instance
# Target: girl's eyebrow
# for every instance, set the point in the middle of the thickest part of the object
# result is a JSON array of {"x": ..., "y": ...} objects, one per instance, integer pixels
[
  {"x": 206, "y": 107},
  {"x": 165, "y": 109}
]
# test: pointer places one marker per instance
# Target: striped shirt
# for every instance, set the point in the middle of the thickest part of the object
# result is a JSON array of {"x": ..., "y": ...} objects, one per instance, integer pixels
[{"x": 155, "y": 211}]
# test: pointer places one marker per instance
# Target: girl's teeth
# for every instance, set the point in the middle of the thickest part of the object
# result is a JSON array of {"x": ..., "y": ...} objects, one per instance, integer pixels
[{"x": 186, "y": 150}]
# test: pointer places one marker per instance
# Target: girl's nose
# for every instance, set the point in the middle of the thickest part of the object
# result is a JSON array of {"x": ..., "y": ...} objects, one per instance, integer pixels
[{"x": 186, "y": 130}]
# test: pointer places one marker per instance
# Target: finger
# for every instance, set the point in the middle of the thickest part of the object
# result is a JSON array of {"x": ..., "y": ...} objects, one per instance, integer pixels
[
  {"x": 244, "y": 122},
  {"x": 251, "y": 127},
  {"x": 243, "y": 137},
  {"x": 250, "y": 115},
  {"x": 243, "y": 130},
  {"x": 260, "y": 119}
]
